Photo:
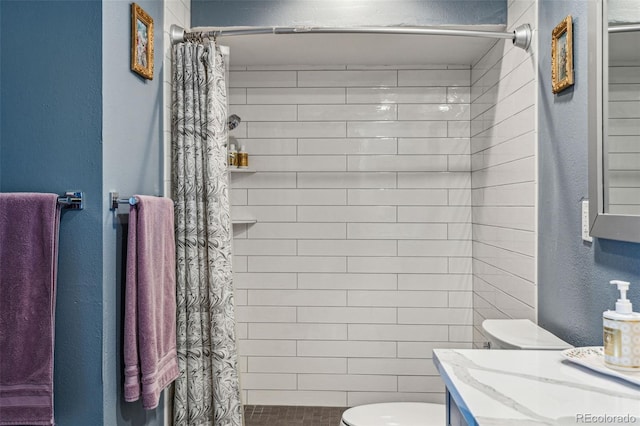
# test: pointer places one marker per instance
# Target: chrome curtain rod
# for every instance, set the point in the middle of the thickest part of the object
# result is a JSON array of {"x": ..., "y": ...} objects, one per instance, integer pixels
[{"x": 521, "y": 36}]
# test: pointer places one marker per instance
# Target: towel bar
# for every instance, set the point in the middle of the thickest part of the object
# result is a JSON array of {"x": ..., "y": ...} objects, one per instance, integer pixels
[
  {"x": 116, "y": 200},
  {"x": 72, "y": 200}
]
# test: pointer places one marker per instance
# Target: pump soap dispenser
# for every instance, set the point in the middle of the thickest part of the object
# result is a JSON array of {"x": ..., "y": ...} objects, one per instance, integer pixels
[{"x": 621, "y": 333}]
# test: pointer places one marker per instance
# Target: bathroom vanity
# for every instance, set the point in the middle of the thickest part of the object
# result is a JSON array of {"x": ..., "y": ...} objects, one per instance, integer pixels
[{"x": 509, "y": 387}]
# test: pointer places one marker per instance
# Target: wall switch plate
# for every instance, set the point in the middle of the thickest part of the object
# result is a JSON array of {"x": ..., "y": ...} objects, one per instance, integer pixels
[{"x": 585, "y": 222}]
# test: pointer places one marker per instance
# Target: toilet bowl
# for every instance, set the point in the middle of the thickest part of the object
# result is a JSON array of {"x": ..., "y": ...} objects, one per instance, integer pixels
[
  {"x": 394, "y": 414},
  {"x": 503, "y": 334}
]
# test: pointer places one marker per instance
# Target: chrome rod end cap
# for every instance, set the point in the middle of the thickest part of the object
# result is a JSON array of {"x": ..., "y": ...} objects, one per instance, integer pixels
[
  {"x": 522, "y": 36},
  {"x": 176, "y": 33}
]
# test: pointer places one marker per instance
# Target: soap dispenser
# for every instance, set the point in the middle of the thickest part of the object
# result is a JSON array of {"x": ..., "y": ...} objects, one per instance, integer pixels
[{"x": 621, "y": 333}]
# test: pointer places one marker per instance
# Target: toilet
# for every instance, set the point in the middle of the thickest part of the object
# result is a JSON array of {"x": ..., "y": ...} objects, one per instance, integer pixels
[
  {"x": 521, "y": 334},
  {"x": 395, "y": 414},
  {"x": 502, "y": 333}
]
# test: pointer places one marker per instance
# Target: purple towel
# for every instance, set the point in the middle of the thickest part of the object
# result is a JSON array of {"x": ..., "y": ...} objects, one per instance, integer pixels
[
  {"x": 150, "y": 360},
  {"x": 28, "y": 262}
]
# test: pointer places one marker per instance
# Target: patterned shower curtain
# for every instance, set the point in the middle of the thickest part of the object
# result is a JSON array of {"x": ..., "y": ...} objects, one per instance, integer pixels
[{"x": 207, "y": 391}]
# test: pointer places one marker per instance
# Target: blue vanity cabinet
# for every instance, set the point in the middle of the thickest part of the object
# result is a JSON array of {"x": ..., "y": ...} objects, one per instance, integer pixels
[{"x": 454, "y": 416}]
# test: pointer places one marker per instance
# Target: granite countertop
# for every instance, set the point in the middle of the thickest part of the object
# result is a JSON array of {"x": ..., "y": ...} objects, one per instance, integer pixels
[{"x": 510, "y": 387}]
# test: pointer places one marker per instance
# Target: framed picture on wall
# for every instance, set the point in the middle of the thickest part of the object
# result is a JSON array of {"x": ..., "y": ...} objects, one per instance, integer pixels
[
  {"x": 562, "y": 55},
  {"x": 141, "y": 42}
]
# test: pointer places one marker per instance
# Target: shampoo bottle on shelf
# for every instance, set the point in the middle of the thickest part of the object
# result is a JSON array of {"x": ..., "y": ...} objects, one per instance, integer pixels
[
  {"x": 621, "y": 333},
  {"x": 243, "y": 158},
  {"x": 233, "y": 156}
]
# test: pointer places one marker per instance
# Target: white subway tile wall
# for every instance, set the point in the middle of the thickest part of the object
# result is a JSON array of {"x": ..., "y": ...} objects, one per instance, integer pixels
[
  {"x": 360, "y": 262},
  {"x": 504, "y": 181}
]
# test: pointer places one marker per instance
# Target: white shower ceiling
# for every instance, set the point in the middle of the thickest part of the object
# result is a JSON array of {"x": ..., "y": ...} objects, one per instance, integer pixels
[{"x": 356, "y": 49}]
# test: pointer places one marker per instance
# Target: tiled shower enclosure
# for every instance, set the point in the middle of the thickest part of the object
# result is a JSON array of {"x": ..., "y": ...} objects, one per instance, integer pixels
[{"x": 360, "y": 260}]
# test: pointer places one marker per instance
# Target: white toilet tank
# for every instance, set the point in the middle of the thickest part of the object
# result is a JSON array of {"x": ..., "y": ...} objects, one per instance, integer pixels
[{"x": 521, "y": 334}]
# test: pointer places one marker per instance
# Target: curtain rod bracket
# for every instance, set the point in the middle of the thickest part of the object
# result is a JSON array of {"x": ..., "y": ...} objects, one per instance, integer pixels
[
  {"x": 522, "y": 36},
  {"x": 176, "y": 33}
]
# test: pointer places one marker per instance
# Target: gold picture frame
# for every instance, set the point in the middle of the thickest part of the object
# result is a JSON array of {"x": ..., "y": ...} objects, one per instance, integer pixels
[
  {"x": 562, "y": 55},
  {"x": 141, "y": 42}
]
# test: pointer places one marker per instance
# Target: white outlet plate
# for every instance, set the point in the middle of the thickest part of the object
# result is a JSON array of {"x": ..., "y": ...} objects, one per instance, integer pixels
[{"x": 585, "y": 222}]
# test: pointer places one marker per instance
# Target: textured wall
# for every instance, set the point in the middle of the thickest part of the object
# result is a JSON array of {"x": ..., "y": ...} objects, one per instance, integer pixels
[
  {"x": 51, "y": 132},
  {"x": 63, "y": 138},
  {"x": 360, "y": 262},
  {"x": 573, "y": 276},
  {"x": 503, "y": 159},
  {"x": 132, "y": 163},
  {"x": 341, "y": 13}
]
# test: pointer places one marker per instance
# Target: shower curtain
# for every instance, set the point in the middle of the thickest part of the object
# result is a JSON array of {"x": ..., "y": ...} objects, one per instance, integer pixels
[{"x": 207, "y": 391}]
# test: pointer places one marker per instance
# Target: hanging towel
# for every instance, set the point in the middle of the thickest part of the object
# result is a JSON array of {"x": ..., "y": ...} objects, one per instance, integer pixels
[
  {"x": 28, "y": 262},
  {"x": 150, "y": 360}
]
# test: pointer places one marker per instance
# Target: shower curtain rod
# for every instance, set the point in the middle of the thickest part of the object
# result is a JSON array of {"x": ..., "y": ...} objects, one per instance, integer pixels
[{"x": 521, "y": 36}]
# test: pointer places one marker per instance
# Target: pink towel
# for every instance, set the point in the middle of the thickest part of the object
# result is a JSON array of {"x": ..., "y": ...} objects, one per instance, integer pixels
[
  {"x": 150, "y": 360},
  {"x": 28, "y": 262}
]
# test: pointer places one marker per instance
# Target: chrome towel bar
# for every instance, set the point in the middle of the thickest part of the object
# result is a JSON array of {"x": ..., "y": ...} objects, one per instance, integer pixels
[{"x": 72, "y": 200}]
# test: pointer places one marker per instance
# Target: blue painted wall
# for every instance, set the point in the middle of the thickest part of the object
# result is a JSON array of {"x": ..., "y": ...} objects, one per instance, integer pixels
[
  {"x": 573, "y": 276},
  {"x": 132, "y": 162},
  {"x": 345, "y": 13},
  {"x": 51, "y": 104},
  {"x": 73, "y": 116}
]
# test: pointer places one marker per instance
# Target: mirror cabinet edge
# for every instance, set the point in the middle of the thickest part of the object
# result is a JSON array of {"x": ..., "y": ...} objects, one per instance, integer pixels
[{"x": 594, "y": 41}]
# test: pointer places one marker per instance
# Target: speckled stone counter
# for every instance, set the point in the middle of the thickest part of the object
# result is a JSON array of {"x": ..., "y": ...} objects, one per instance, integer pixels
[{"x": 504, "y": 387}]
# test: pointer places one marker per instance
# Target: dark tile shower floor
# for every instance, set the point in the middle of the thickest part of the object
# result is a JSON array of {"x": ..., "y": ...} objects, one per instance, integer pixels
[{"x": 278, "y": 415}]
